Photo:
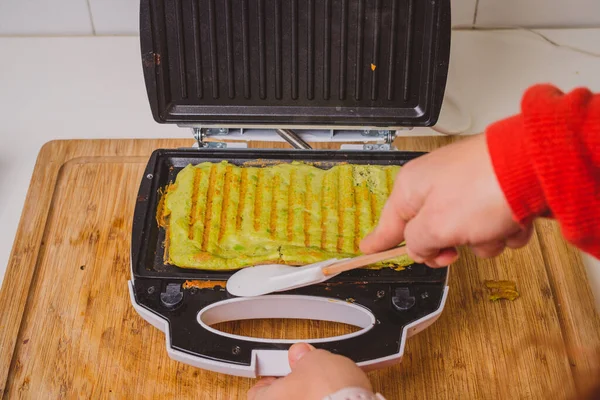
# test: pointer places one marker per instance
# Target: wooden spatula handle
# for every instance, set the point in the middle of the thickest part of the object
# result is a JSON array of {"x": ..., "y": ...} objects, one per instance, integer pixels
[{"x": 361, "y": 261}]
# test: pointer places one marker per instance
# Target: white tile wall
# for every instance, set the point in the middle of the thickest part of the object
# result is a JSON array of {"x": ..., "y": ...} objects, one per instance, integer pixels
[
  {"x": 120, "y": 17},
  {"x": 45, "y": 17},
  {"x": 539, "y": 13},
  {"x": 463, "y": 12},
  {"x": 115, "y": 17}
]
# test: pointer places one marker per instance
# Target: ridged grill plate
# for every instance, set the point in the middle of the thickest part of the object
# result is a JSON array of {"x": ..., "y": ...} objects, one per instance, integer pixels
[{"x": 296, "y": 62}]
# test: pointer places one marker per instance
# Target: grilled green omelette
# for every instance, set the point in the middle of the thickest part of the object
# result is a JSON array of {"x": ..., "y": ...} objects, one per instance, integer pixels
[{"x": 219, "y": 216}]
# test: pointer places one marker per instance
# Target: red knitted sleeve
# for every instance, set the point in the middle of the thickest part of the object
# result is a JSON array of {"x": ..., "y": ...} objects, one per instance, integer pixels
[{"x": 547, "y": 161}]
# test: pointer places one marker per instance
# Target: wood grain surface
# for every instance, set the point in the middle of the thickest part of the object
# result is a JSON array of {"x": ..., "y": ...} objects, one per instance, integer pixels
[{"x": 67, "y": 329}]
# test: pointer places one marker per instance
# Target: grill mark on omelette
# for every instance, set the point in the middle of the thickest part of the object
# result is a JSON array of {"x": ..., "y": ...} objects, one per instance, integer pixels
[
  {"x": 249, "y": 205},
  {"x": 243, "y": 189},
  {"x": 389, "y": 180},
  {"x": 379, "y": 193},
  {"x": 362, "y": 200},
  {"x": 282, "y": 206},
  {"x": 193, "y": 216},
  {"x": 273, "y": 219},
  {"x": 346, "y": 209},
  {"x": 372, "y": 207},
  {"x": 307, "y": 207},
  {"x": 357, "y": 237},
  {"x": 234, "y": 199},
  {"x": 290, "y": 205},
  {"x": 330, "y": 211},
  {"x": 340, "y": 231},
  {"x": 322, "y": 215},
  {"x": 217, "y": 208},
  {"x": 315, "y": 223},
  {"x": 258, "y": 199},
  {"x": 225, "y": 203},
  {"x": 208, "y": 212},
  {"x": 265, "y": 207}
]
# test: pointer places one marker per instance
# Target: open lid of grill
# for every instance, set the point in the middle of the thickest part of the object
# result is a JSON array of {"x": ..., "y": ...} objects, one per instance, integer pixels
[{"x": 349, "y": 63}]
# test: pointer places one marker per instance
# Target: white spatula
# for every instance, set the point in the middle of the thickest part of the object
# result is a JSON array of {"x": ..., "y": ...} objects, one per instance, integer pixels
[{"x": 264, "y": 279}]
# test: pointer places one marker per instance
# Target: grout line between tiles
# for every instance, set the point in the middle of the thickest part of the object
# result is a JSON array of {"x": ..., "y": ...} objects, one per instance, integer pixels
[
  {"x": 89, "y": 6},
  {"x": 474, "y": 14}
]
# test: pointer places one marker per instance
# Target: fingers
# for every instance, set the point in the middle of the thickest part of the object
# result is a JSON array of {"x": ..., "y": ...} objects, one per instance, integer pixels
[
  {"x": 259, "y": 388},
  {"x": 489, "y": 250},
  {"x": 431, "y": 239},
  {"x": 495, "y": 248},
  {"x": 425, "y": 238},
  {"x": 297, "y": 351},
  {"x": 315, "y": 374},
  {"x": 520, "y": 238},
  {"x": 333, "y": 371},
  {"x": 444, "y": 258}
]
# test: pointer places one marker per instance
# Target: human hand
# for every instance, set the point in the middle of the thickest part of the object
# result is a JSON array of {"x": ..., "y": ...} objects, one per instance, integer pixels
[
  {"x": 315, "y": 374},
  {"x": 447, "y": 198}
]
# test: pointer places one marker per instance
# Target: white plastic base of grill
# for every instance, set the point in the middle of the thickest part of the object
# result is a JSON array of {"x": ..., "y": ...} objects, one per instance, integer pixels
[{"x": 275, "y": 362}]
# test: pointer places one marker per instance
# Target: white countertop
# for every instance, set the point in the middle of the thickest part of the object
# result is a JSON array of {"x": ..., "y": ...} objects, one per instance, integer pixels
[{"x": 92, "y": 87}]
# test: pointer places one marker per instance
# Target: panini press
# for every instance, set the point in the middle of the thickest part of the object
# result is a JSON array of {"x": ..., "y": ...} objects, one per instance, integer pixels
[{"x": 353, "y": 71}]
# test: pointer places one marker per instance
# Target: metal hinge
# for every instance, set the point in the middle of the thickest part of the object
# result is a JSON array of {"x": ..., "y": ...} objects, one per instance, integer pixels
[
  {"x": 368, "y": 147},
  {"x": 237, "y": 136},
  {"x": 201, "y": 133},
  {"x": 217, "y": 131},
  {"x": 387, "y": 135},
  {"x": 377, "y": 147}
]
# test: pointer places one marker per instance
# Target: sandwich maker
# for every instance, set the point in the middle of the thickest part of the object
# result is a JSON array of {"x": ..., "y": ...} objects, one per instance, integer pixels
[{"x": 353, "y": 71}]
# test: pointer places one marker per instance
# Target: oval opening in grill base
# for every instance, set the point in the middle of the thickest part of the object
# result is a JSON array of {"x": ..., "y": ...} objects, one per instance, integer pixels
[
  {"x": 341, "y": 320},
  {"x": 285, "y": 328}
]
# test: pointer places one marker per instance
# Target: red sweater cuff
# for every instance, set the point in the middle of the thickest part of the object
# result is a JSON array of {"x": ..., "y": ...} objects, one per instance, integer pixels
[{"x": 514, "y": 169}]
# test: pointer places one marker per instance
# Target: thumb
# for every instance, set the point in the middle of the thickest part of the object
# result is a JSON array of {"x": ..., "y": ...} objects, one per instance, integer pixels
[
  {"x": 260, "y": 388},
  {"x": 403, "y": 204},
  {"x": 389, "y": 232},
  {"x": 297, "y": 351}
]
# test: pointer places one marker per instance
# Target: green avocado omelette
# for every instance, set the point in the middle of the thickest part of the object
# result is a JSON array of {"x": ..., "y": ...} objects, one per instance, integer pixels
[{"x": 219, "y": 216}]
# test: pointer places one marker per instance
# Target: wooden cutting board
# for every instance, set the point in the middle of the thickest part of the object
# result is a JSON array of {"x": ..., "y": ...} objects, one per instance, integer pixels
[{"x": 67, "y": 329}]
